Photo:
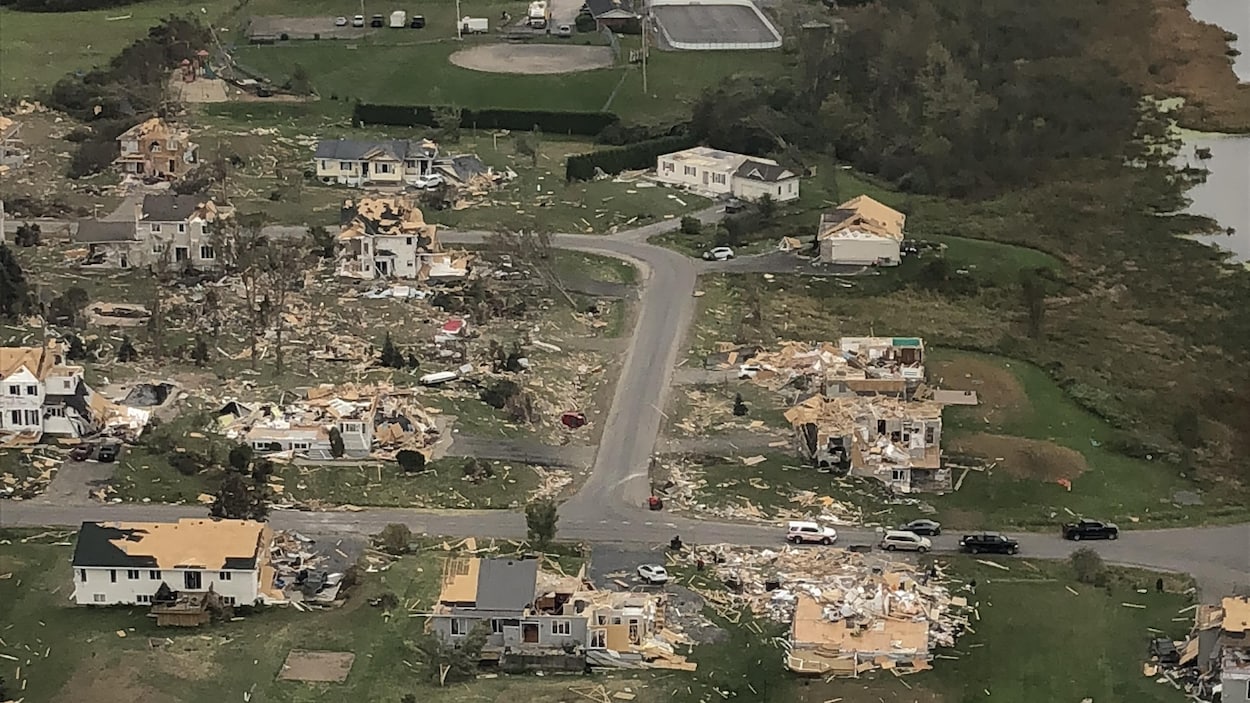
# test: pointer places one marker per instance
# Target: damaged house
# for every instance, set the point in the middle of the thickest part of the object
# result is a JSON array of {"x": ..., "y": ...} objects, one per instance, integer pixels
[
  {"x": 41, "y": 394},
  {"x": 387, "y": 237},
  {"x": 360, "y": 163},
  {"x": 155, "y": 149},
  {"x": 1213, "y": 663},
  {"x": 856, "y": 365},
  {"x": 168, "y": 230},
  {"x": 139, "y": 563},
  {"x": 862, "y": 232},
  {"x": 894, "y": 441}
]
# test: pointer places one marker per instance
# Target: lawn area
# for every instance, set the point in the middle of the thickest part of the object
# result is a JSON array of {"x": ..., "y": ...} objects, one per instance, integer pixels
[
  {"x": 575, "y": 265},
  {"x": 1022, "y": 649},
  {"x": 71, "y": 654},
  {"x": 1020, "y": 401},
  {"x": 39, "y": 48}
]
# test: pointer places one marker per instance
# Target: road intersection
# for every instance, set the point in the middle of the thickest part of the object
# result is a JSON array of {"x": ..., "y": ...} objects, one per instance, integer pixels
[{"x": 610, "y": 506}]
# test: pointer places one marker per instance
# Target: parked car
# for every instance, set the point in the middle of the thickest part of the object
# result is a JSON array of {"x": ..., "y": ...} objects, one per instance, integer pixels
[
  {"x": 564, "y": 31},
  {"x": 1164, "y": 650},
  {"x": 905, "y": 541},
  {"x": 358, "y": 21},
  {"x": 653, "y": 573},
  {"x": 82, "y": 452},
  {"x": 749, "y": 370},
  {"x": 734, "y": 205},
  {"x": 798, "y": 532},
  {"x": 418, "y": 22},
  {"x": 988, "y": 542},
  {"x": 1090, "y": 529},
  {"x": 108, "y": 452},
  {"x": 718, "y": 254},
  {"x": 430, "y": 180},
  {"x": 340, "y": 21},
  {"x": 923, "y": 526},
  {"x": 377, "y": 21}
]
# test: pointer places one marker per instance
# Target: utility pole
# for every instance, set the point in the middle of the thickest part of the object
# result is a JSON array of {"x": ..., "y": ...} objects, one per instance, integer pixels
[
  {"x": 2, "y": 238},
  {"x": 459, "y": 24},
  {"x": 646, "y": 20}
]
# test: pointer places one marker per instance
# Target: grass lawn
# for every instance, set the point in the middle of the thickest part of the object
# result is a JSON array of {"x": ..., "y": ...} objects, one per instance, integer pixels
[
  {"x": 39, "y": 48},
  {"x": 579, "y": 266},
  {"x": 1023, "y": 648},
  {"x": 70, "y": 654},
  {"x": 1022, "y": 401}
]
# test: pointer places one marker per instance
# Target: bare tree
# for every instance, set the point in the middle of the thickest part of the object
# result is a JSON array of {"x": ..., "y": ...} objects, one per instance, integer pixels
[
  {"x": 283, "y": 264},
  {"x": 245, "y": 252},
  {"x": 534, "y": 249}
]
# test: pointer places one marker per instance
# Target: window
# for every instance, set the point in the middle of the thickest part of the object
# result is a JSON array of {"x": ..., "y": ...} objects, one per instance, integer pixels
[
  {"x": 54, "y": 412},
  {"x": 299, "y": 445},
  {"x": 690, "y": 170},
  {"x": 206, "y": 252},
  {"x": 154, "y": 575},
  {"x": 193, "y": 580},
  {"x": 223, "y": 576},
  {"x": 616, "y": 619},
  {"x": 66, "y": 384},
  {"x": 496, "y": 626},
  {"x": 668, "y": 166},
  {"x": 112, "y": 575},
  {"x": 601, "y": 619},
  {"x": 228, "y": 600},
  {"x": 345, "y": 165},
  {"x": 898, "y": 475},
  {"x": 82, "y": 575},
  {"x": 157, "y": 246},
  {"x": 15, "y": 390},
  {"x": 599, "y": 639},
  {"x": 408, "y": 241},
  {"x": 928, "y": 436},
  {"x": 132, "y": 574},
  {"x": 143, "y": 600},
  {"x": 32, "y": 417},
  {"x": 15, "y": 418},
  {"x": 182, "y": 253},
  {"x": 459, "y": 626},
  {"x": 32, "y": 390},
  {"x": 156, "y": 229},
  {"x": 97, "y": 598},
  {"x": 383, "y": 168},
  {"x": 718, "y": 178},
  {"x": 561, "y": 627},
  {"x": 182, "y": 228}
]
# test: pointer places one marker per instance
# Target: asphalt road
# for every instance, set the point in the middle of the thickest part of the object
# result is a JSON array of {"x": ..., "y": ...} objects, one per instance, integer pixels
[{"x": 609, "y": 507}]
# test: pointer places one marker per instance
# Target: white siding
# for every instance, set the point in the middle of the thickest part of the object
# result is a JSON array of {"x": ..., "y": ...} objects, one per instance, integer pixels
[
  {"x": 115, "y": 587},
  {"x": 782, "y": 191},
  {"x": 860, "y": 251}
]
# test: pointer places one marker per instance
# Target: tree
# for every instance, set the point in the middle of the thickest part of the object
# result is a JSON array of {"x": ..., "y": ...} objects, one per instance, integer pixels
[
  {"x": 1033, "y": 293},
  {"x": 283, "y": 263},
  {"x": 244, "y": 251},
  {"x": 767, "y": 208},
  {"x": 76, "y": 351},
  {"x": 239, "y": 498},
  {"x": 395, "y": 539},
  {"x": 391, "y": 356},
  {"x": 740, "y": 408},
  {"x": 691, "y": 225},
  {"x": 410, "y": 461},
  {"x": 447, "y": 119},
  {"x": 68, "y": 306},
  {"x": 413, "y": 362},
  {"x": 200, "y": 354},
  {"x": 240, "y": 457},
  {"x": 127, "y": 352},
  {"x": 541, "y": 517},
  {"x": 15, "y": 297},
  {"x": 1088, "y": 567},
  {"x": 301, "y": 82},
  {"x": 323, "y": 242},
  {"x": 446, "y": 663},
  {"x": 28, "y": 235},
  {"x": 337, "y": 449}
]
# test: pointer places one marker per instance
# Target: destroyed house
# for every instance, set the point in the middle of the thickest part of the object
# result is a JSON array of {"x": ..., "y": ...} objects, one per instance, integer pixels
[
  {"x": 863, "y": 232},
  {"x": 154, "y": 149},
  {"x": 387, "y": 237},
  {"x": 120, "y": 563},
  {"x": 1215, "y": 659},
  {"x": 392, "y": 162},
  {"x": 854, "y": 366},
  {"x": 886, "y": 357},
  {"x": 40, "y": 393},
  {"x": 894, "y": 441}
]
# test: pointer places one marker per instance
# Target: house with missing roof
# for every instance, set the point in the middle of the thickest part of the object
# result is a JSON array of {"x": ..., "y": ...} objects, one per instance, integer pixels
[
  {"x": 357, "y": 162},
  {"x": 128, "y": 563},
  {"x": 388, "y": 237},
  {"x": 40, "y": 393},
  {"x": 155, "y": 149},
  {"x": 861, "y": 231},
  {"x": 167, "y": 229},
  {"x": 714, "y": 173}
]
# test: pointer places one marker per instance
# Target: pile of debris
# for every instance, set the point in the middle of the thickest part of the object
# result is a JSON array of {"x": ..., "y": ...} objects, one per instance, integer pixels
[
  {"x": 849, "y": 612},
  {"x": 889, "y": 365},
  {"x": 299, "y": 572},
  {"x": 37, "y": 474},
  {"x": 1214, "y": 659}
]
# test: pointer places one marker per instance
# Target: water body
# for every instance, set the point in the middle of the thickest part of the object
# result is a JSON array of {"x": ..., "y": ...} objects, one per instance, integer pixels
[{"x": 1225, "y": 197}]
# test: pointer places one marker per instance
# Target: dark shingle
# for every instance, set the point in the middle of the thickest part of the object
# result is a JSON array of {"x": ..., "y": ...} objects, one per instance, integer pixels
[
  {"x": 171, "y": 208},
  {"x": 95, "y": 547},
  {"x": 760, "y": 171},
  {"x": 97, "y": 232},
  {"x": 354, "y": 149},
  {"x": 506, "y": 584}
]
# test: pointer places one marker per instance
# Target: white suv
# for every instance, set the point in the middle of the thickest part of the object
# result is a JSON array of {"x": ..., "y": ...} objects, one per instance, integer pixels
[
  {"x": 907, "y": 541},
  {"x": 805, "y": 532}
]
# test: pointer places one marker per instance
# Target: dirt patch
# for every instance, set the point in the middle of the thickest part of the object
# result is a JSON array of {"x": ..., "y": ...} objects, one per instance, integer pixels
[
  {"x": 1033, "y": 459},
  {"x": 331, "y": 667},
  {"x": 102, "y": 681},
  {"x": 536, "y": 58},
  {"x": 999, "y": 393}
]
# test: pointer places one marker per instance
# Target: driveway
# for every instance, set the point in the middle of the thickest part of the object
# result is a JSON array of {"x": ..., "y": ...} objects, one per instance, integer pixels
[{"x": 74, "y": 481}]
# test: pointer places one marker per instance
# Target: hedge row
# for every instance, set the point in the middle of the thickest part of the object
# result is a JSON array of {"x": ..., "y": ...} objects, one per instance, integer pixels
[
  {"x": 581, "y": 167},
  {"x": 550, "y": 121}
]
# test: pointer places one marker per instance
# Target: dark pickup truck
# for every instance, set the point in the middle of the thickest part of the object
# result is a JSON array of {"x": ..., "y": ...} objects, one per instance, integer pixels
[
  {"x": 988, "y": 543},
  {"x": 1090, "y": 529}
]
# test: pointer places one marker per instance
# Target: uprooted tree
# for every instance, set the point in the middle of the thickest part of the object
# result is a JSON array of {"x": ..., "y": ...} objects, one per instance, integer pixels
[{"x": 444, "y": 663}]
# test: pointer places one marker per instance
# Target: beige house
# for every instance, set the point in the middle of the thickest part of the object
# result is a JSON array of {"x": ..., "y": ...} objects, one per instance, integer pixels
[
  {"x": 714, "y": 173},
  {"x": 155, "y": 149},
  {"x": 172, "y": 230},
  {"x": 863, "y": 232},
  {"x": 357, "y": 163},
  {"x": 388, "y": 237}
]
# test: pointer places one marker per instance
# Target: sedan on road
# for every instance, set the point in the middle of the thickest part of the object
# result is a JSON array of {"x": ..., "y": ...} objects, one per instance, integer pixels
[
  {"x": 653, "y": 574},
  {"x": 923, "y": 526},
  {"x": 718, "y": 254}
]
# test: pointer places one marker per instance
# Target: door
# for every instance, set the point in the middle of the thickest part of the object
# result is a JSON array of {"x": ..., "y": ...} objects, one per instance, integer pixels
[
  {"x": 173, "y": 165},
  {"x": 193, "y": 580},
  {"x": 705, "y": 173},
  {"x": 529, "y": 632},
  {"x": 364, "y": 169},
  {"x": 181, "y": 253}
]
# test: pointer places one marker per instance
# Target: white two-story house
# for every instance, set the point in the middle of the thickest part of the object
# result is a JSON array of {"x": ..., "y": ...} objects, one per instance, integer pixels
[
  {"x": 389, "y": 238},
  {"x": 356, "y": 163},
  {"x": 41, "y": 394},
  {"x": 170, "y": 230},
  {"x": 125, "y": 563}
]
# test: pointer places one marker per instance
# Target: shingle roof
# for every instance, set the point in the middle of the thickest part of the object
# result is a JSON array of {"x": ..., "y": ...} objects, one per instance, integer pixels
[
  {"x": 98, "y": 232},
  {"x": 600, "y": 7},
  {"x": 355, "y": 149},
  {"x": 171, "y": 208},
  {"x": 761, "y": 171},
  {"x": 506, "y": 584},
  {"x": 188, "y": 543}
]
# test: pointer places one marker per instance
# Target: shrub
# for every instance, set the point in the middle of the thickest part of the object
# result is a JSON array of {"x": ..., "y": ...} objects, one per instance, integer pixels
[
  {"x": 553, "y": 121},
  {"x": 691, "y": 225},
  {"x": 410, "y": 461},
  {"x": 395, "y": 538},
  {"x": 1088, "y": 567},
  {"x": 581, "y": 167}
]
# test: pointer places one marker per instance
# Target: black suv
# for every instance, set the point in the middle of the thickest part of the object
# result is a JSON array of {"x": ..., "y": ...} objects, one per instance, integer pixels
[
  {"x": 1090, "y": 529},
  {"x": 988, "y": 542},
  {"x": 107, "y": 452}
]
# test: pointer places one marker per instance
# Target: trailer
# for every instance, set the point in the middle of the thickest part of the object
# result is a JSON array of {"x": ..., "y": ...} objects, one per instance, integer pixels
[
  {"x": 539, "y": 14},
  {"x": 399, "y": 19},
  {"x": 474, "y": 25}
]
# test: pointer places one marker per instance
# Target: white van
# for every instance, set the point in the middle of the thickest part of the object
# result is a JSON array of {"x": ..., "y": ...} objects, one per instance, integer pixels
[
  {"x": 906, "y": 541},
  {"x": 798, "y": 532}
]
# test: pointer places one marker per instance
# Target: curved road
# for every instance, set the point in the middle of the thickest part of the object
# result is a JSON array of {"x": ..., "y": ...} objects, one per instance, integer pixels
[{"x": 610, "y": 505}]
